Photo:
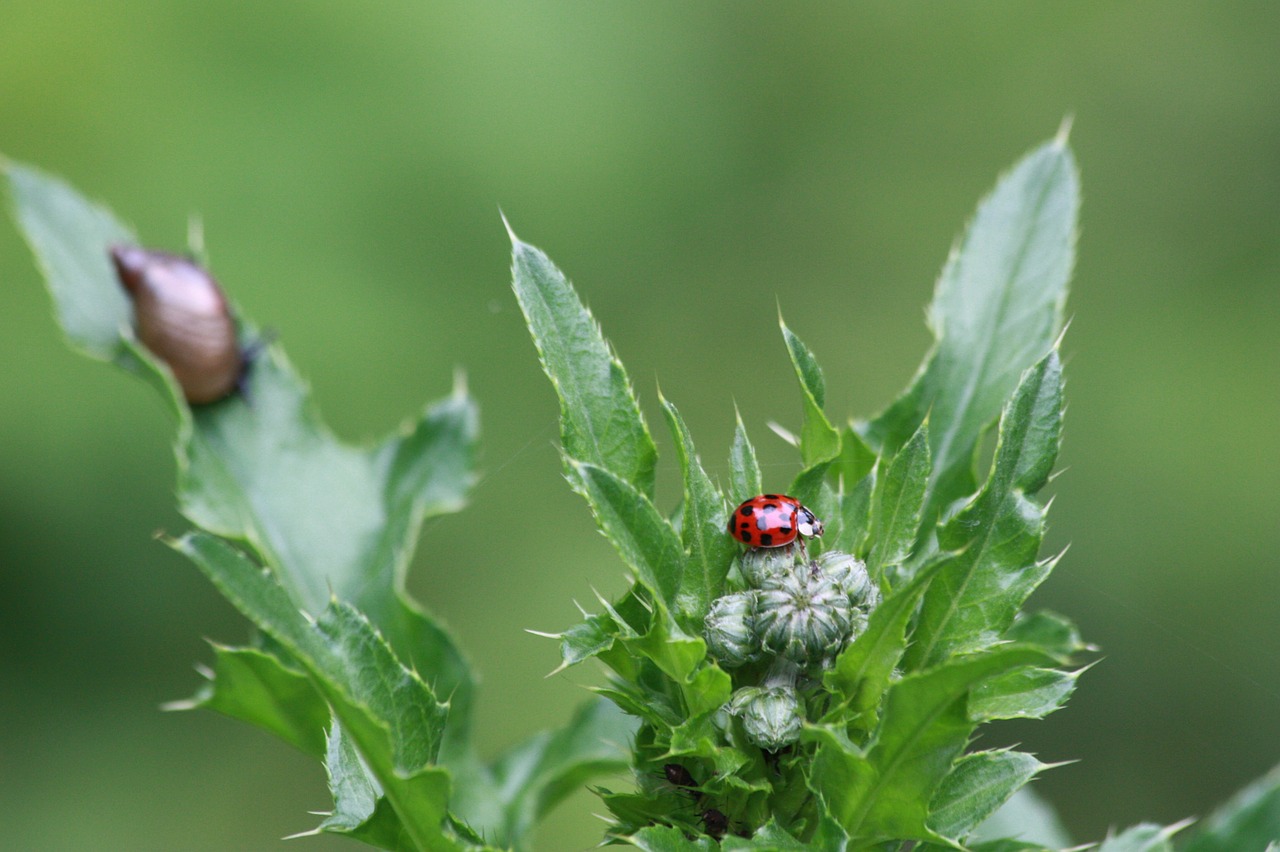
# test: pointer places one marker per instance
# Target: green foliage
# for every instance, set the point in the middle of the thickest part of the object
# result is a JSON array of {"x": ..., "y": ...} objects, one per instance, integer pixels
[
  {"x": 881, "y": 758},
  {"x": 897, "y": 634},
  {"x": 1250, "y": 820},
  {"x": 997, "y": 310},
  {"x": 310, "y": 538},
  {"x": 600, "y": 419}
]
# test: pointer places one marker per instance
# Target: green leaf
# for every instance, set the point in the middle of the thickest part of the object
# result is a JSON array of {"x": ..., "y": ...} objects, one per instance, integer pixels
[
  {"x": 772, "y": 838},
  {"x": 360, "y": 810},
  {"x": 811, "y": 487},
  {"x": 856, "y": 458},
  {"x": 996, "y": 311},
  {"x": 709, "y": 548},
  {"x": 1249, "y": 820},
  {"x": 996, "y": 537},
  {"x": 256, "y": 687},
  {"x": 70, "y": 237},
  {"x": 976, "y": 787},
  {"x": 1055, "y": 633},
  {"x": 898, "y": 502},
  {"x": 819, "y": 441},
  {"x": 669, "y": 839},
  {"x": 600, "y": 420},
  {"x": 862, "y": 672},
  {"x": 1002, "y": 845},
  {"x": 855, "y": 517},
  {"x": 644, "y": 539},
  {"x": 1030, "y": 693},
  {"x": 328, "y": 518},
  {"x": 675, "y": 653},
  {"x": 1146, "y": 837},
  {"x": 540, "y": 773},
  {"x": 393, "y": 718},
  {"x": 884, "y": 794},
  {"x": 744, "y": 470},
  {"x": 1026, "y": 816}
]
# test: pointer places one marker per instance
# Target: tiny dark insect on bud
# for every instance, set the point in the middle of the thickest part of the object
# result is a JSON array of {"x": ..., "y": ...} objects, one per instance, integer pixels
[
  {"x": 678, "y": 776},
  {"x": 714, "y": 823},
  {"x": 182, "y": 317}
]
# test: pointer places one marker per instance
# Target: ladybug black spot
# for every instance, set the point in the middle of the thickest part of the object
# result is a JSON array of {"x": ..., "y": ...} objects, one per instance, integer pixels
[
  {"x": 746, "y": 511},
  {"x": 770, "y": 496},
  {"x": 766, "y": 540},
  {"x": 785, "y": 530}
]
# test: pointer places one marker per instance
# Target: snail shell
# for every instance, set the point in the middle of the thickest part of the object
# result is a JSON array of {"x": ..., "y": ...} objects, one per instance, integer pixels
[{"x": 182, "y": 317}]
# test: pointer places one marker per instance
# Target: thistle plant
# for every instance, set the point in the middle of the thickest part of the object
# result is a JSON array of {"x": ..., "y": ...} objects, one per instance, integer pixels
[{"x": 823, "y": 696}]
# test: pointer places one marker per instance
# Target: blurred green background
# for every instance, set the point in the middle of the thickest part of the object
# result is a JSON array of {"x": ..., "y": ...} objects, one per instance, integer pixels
[{"x": 690, "y": 166}]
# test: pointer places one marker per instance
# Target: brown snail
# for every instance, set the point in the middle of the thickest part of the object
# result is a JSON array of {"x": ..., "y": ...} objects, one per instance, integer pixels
[{"x": 183, "y": 318}]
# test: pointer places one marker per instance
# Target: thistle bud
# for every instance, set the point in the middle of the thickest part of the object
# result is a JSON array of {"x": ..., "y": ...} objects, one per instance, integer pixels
[
  {"x": 730, "y": 632},
  {"x": 759, "y": 564},
  {"x": 771, "y": 715},
  {"x": 803, "y": 616},
  {"x": 850, "y": 574}
]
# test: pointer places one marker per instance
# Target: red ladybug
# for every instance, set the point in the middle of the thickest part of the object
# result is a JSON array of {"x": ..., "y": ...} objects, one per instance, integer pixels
[{"x": 772, "y": 520}]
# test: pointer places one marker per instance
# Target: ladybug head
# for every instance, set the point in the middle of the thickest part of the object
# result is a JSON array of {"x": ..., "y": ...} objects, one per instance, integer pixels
[{"x": 807, "y": 524}]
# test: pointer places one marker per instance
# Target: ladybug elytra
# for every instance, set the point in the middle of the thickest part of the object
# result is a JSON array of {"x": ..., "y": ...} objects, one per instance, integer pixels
[{"x": 772, "y": 520}]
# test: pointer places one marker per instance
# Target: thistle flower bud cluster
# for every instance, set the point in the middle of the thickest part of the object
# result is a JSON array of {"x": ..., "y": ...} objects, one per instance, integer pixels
[
  {"x": 771, "y": 715},
  {"x": 796, "y": 617},
  {"x": 730, "y": 629}
]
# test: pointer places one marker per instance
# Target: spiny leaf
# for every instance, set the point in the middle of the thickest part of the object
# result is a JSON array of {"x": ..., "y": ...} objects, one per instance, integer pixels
[
  {"x": 70, "y": 236},
  {"x": 977, "y": 785},
  {"x": 856, "y": 458},
  {"x": 702, "y": 531},
  {"x": 1055, "y": 633},
  {"x": 811, "y": 487},
  {"x": 977, "y": 594},
  {"x": 884, "y": 794},
  {"x": 1026, "y": 816},
  {"x": 996, "y": 311},
  {"x": 327, "y": 517},
  {"x": 855, "y": 516},
  {"x": 669, "y": 839},
  {"x": 392, "y": 716},
  {"x": 744, "y": 470},
  {"x": 256, "y": 687},
  {"x": 541, "y": 772},
  {"x": 600, "y": 420},
  {"x": 1146, "y": 837},
  {"x": 1030, "y": 693},
  {"x": 360, "y": 810},
  {"x": 1249, "y": 820},
  {"x": 819, "y": 441},
  {"x": 644, "y": 539},
  {"x": 898, "y": 502}
]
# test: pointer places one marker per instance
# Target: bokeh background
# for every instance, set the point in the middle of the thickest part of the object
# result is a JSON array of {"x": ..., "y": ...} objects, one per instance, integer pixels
[{"x": 691, "y": 166}]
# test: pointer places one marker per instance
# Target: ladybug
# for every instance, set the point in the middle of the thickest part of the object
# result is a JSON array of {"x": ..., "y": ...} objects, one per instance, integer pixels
[{"x": 772, "y": 520}]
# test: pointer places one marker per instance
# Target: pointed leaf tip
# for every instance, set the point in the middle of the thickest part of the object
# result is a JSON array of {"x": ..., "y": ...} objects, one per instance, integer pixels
[
  {"x": 507, "y": 224},
  {"x": 1061, "y": 138}
]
